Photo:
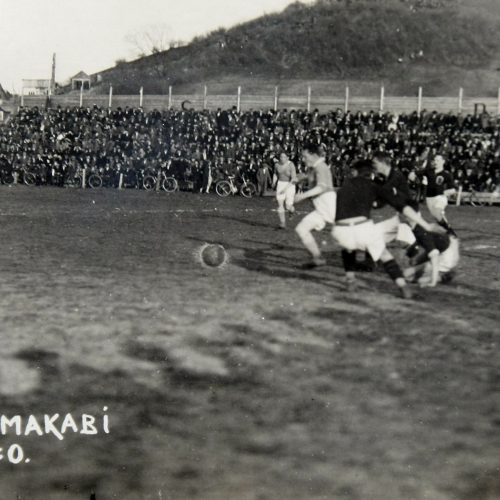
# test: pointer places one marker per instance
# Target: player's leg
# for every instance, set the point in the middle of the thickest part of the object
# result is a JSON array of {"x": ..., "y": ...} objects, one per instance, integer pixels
[
  {"x": 311, "y": 222},
  {"x": 389, "y": 228},
  {"x": 375, "y": 244},
  {"x": 405, "y": 235},
  {"x": 414, "y": 273},
  {"x": 366, "y": 264},
  {"x": 345, "y": 237},
  {"x": 350, "y": 266},
  {"x": 424, "y": 278},
  {"x": 448, "y": 261},
  {"x": 325, "y": 206},
  {"x": 289, "y": 198},
  {"x": 281, "y": 198},
  {"x": 395, "y": 272},
  {"x": 281, "y": 213}
]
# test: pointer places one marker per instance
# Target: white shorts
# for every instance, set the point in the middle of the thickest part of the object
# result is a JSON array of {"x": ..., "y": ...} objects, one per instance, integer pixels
[
  {"x": 448, "y": 260},
  {"x": 325, "y": 206},
  {"x": 364, "y": 236},
  {"x": 285, "y": 192},
  {"x": 393, "y": 229},
  {"x": 389, "y": 228},
  {"x": 437, "y": 205},
  {"x": 405, "y": 234}
]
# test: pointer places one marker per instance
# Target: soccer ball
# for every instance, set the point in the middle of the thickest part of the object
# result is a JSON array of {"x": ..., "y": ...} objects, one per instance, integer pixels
[{"x": 213, "y": 255}]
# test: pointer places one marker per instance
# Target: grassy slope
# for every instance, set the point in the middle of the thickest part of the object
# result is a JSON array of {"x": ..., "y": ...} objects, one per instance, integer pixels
[{"x": 360, "y": 42}]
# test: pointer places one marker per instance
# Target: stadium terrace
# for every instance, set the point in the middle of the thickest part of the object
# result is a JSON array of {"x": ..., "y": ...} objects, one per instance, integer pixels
[{"x": 199, "y": 148}]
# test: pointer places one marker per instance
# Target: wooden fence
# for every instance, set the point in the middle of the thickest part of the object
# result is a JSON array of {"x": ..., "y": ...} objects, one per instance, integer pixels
[{"x": 244, "y": 102}]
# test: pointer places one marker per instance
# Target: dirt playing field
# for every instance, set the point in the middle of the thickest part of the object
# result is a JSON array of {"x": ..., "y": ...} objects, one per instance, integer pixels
[{"x": 254, "y": 381}]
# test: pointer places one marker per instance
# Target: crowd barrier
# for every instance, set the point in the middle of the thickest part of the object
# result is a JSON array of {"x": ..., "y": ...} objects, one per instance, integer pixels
[{"x": 244, "y": 102}]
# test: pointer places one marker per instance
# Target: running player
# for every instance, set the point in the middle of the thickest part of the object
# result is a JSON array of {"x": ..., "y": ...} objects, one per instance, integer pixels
[
  {"x": 285, "y": 180},
  {"x": 439, "y": 187},
  {"x": 354, "y": 229},
  {"x": 323, "y": 198}
]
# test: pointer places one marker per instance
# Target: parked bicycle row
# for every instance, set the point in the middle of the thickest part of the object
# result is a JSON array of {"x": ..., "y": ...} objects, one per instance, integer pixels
[{"x": 145, "y": 179}]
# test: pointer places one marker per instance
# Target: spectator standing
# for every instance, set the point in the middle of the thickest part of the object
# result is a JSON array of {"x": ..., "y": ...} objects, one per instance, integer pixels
[{"x": 263, "y": 178}]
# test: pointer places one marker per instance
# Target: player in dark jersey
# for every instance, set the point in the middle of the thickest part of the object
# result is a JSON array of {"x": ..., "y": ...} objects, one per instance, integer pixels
[
  {"x": 439, "y": 187},
  {"x": 354, "y": 229},
  {"x": 395, "y": 183},
  {"x": 415, "y": 186},
  {"x": 439, "y": 260}
]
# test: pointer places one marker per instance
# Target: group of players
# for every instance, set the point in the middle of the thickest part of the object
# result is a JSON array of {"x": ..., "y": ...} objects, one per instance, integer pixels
[{"x": 433, "y": 247}]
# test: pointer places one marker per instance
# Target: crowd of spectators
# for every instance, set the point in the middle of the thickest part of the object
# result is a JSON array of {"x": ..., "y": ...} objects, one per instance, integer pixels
[{"x": 196, "y": 146}]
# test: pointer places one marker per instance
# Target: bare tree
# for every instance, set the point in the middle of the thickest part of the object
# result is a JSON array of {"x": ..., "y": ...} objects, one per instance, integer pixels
[{"x": 150, "y": 39}]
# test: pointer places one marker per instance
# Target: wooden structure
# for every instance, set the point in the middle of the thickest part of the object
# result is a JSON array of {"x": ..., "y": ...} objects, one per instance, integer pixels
[{"x": 80, "y": 81}]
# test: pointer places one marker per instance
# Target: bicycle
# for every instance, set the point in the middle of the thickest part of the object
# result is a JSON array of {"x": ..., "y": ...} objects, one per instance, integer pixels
[
  {"x": 227, "y": 186},
  {"x": 93, "y": 180},
  {"x": 31, "y": 178},
  {"x": 167, "y": 183},
  {"x": 6, "y": 176}
]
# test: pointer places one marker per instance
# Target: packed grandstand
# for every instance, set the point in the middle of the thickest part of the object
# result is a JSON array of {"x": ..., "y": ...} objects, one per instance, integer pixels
[{"x": 53, "y": 146}]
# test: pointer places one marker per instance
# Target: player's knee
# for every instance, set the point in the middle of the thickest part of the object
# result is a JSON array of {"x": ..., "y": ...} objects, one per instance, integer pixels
[
  {"x": 385, "y": 256},
  {"x": 302, "y": 230}
]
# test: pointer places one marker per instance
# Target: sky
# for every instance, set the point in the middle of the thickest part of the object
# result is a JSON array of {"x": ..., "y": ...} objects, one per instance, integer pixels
[{"x": 91, "y": 35}]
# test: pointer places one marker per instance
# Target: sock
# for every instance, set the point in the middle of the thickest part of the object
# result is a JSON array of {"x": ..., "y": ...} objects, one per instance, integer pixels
[
  {"x": 349, "y": 260},
  {"x": 393, "y": 270},
  {"x": 369, "y": 263}
]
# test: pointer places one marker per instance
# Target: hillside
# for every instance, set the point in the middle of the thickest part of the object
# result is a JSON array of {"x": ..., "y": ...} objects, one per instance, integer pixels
[{"x": 440, "y": 44}]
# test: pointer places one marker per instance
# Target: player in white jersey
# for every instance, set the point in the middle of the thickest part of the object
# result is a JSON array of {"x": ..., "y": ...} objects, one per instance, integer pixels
[
  {"x": 324, "y": 200},
  {"x": 285, "y": 180}
]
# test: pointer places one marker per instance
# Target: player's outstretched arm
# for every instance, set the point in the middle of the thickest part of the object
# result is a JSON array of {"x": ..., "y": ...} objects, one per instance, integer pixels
[
  {"x": 419, "y": 220},
  {"x": 311, "y": 193},
  {"x": 300, "y": 178}
]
